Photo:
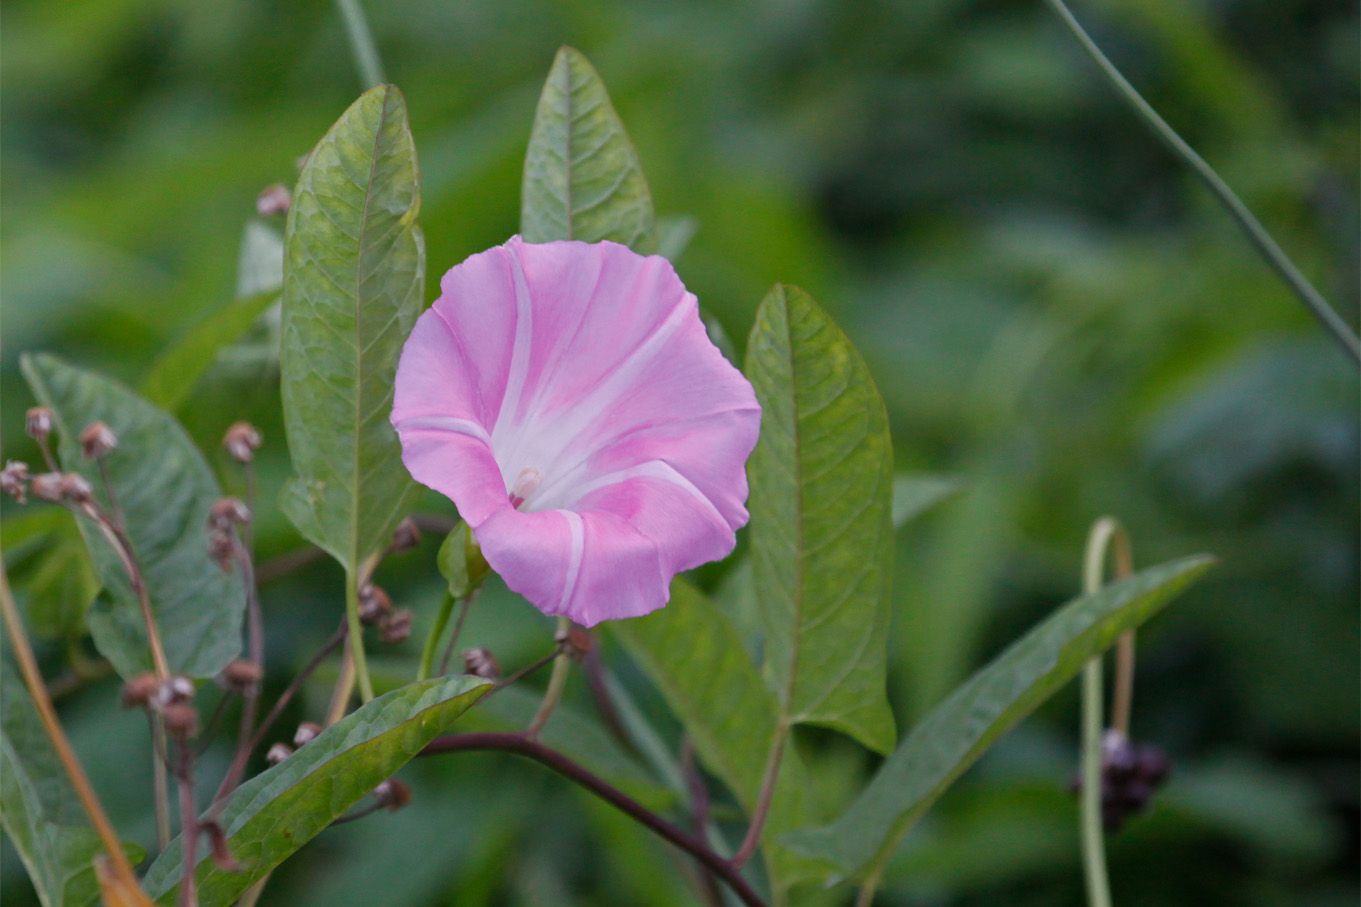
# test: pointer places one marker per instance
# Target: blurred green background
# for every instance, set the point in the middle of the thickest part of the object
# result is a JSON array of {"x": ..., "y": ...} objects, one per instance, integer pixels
[{"x": 1057, "y": 314}]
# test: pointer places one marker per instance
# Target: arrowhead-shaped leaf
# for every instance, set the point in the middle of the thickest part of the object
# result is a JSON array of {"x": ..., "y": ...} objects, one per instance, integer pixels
[
  {"x": 164, "y": 489},
  {"x": 960, "y": 729},
  {"x": 38, "y": 808},
  {"x": 278, "y": 811},
  {"x": 821, "y": 542},
  {"x": 582, "y": 176},
  {"x": 354, "y": 270},
  {"x": 696, "y": 659}
]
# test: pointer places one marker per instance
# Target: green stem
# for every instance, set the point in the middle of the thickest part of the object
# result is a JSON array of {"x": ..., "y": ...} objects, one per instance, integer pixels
[
  {"x": 361, "y": 665},
  {"x": 1256, "y": 233},
  {"x": 557, "y": 682},
  {"x": 446, "y": 608},
  {"x": 361, "y": 43},
  {"x": 160, "y": 781}
]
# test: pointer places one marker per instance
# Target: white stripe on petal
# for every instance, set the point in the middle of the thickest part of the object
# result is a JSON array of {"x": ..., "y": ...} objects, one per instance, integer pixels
[
  {"x": 578, "y": 532},
  {"x": 445, "y": 423}
]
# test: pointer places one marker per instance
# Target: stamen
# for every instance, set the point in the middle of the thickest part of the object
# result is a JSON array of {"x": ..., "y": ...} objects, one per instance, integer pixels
[{"x": 525, "y": 485}]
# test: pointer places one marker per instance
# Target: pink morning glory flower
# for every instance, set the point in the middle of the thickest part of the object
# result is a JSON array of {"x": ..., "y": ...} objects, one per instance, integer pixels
[{"x": 566, "y": 397}]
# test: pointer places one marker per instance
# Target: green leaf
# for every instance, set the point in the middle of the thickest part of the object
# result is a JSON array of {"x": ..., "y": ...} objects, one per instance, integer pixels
[
  {"x": 696, "y": 659},
  {"x": 582, "y": 176},
  {"x": 913, "y": 495},
  {"x": 38, "y": 808},
  {"x": 960, "y": 729},
  {"x": 53, "y": 577},
  {"x": 178, "y": 370},
  {"x": 164, "y": 489},
  {"x": 353, "y": 287},
  {"x": 275, "y": 813},
  {"x": 821, "y": 544}
]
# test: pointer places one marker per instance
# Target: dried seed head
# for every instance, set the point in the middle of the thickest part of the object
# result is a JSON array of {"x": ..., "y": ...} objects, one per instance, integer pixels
[
  {"x": 396, "y": 626},
  {"x": 46, "y": 486},
  {"x": 180, "y": 719},
  {"x": 97, "y": 439},
  {"x": 76, "y": 489},
  {"x": 38, "y": 423},
  {"x": 14, "y": 480},
  {"x": 272, "y": 200},
  {"x": 406, "y": 536},
  {"x": 228, "y": 512},
  {"x": 241, "y": 675},
  {"x": 306, "y": 733},
  {"x": 278, "y": 753},
  {"x": 174, "y": 689},
  {"x": 242, "y": 440},
  {"x": 392, "y": 794},
  {"x": 374, "y": 603},
  {"x": 481, "y": 663},
  {"x": 138, "y": 691}
]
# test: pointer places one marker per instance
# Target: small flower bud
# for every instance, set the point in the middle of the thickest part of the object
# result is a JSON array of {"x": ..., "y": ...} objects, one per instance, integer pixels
[
  {"x": 396, "y": 626},
  {"x": 217, "y": 842},
  {"x": 175, "y": 689},
  {"x": 240, "y": 675},
  {"x": 306, "y": 733},
  {"x": 278, "y": 753},
  {"x": 481, "y": 663},
  {"x": 272, "y": 200},
  {"x": 222, "y": 548},
  {"x": 180, "y": 718},
  {"x": 46, "y": 486},
  {"x": 228, "y": 512},
  {"x": 392, "y": 794},
  {"x": 373, "y": 604},
  {"x": 76, "y": 489},
  {"x": 242, "y": 440},
  {"x": 575, "y": 641},
  {"x": 97, "y": 439},
  {"x": 14, "y": 480},
  {"x": 406, "y": 536},
  {"x": 38, "y": 423},
  {"x": 138, "y": 691}
]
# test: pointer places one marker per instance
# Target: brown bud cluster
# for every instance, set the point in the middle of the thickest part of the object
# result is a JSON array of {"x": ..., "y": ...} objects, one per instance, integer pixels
[
  {"x": 46, "y": 486},
  {"x": 242, "y": 440},
  {"x": 481, "y": 663},
  {"x": 181, "y": 719},
  {"x": 1130, "y": 774},
  {"x": 138, "y": 691},
  {"x": 225, "y": 516},
  {"x": 14, "y": 480},
  {"x": 76, "y": 489},
  {"x": 278, "y": 753},
  {"x": 272, "y": 200},
  {"x": 97, "y": 440},
  {"x": 374, "y": 604},
  {"x": 306, "y": 733},
  {"x": 396, "y": 626},
  {"x": 241, "y": 675},
  {"x": 392, "y": 794},
  {"x": 38, "y": 423},
  {"x": 406, "y": 536}
]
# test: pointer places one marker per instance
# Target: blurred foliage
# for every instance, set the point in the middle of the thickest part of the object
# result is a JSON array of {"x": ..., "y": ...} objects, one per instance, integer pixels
[{"x": 1057, "y": 314}]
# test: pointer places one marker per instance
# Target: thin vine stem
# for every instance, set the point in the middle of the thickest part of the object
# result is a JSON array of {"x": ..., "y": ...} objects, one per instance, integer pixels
[
  {"x": 1251, "y": 227},
  {"x": 366, "y": 57},
  {"x": 1106, "y": 534}
]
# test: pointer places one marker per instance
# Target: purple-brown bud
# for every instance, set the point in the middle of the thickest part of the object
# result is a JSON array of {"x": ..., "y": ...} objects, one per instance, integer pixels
[
  {"x": 272, "y": 200},
  {"x": 76, "y": 489},
  {"x": 241, "y": 675},
  {"x": 374, "y": 604},
  {"x": 306, "y": 733},
  {"x": 242, "y": 440},
  {"x": 406, "y": 536},
  {"x": 395, "y": 627},
  {"x": 175, "y": 689},
  {"x": 481, "y": 663},
  {"x": 138, "y": 691},
  {"x": 14, "y": 480},
  {"x": 97, "y": 439},
  {"x": 38, "y": 423},
  {"x": 392, "y": 794},
  {"x": 228, "y": 512},
  {"x": 278, "y": 753},
  {"x": 181, "y": 719},
  {"x": 46, "y": 486}
]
